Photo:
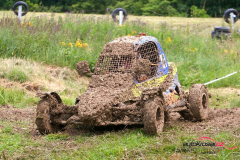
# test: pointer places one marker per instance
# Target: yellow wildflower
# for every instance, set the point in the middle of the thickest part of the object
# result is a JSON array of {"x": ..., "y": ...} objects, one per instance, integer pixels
[
  {"x": 79, "y": 41},
  {"x": 133, "y": 31},
  {"x": 29, "y": 23},
  {"x": 12, "y": 53},
  {"x": 169, "y": 40},
  {"x": 79, "y": 45},
  {"x": 70, "y": 44},
  {"x": 63, "y": 43},
  {"x": 122, "y": 25},
  {"x": 225, "y": 51},
  {"x": 129, "y": 35},
  {"x": 85, "y": 45},
  {"x": 231, "y": 51}
]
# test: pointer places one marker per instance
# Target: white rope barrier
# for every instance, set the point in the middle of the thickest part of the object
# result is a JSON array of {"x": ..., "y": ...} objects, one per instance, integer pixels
[{"x": 222, "y": 78}]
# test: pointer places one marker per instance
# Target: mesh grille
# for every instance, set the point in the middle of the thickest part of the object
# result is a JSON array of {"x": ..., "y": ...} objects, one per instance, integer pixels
[
  {"x": 149, "y": 51},
  {"x": 113, "y": 64}
]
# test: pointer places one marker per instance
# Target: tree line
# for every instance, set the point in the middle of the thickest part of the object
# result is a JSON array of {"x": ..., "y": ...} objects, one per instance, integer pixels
[{"x": 184, "y": 8}]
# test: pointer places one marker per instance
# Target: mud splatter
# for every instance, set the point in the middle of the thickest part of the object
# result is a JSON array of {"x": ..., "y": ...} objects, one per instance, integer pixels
[
  {"x": 141, "y": 69},
  {"x": 83, "y": 68}
]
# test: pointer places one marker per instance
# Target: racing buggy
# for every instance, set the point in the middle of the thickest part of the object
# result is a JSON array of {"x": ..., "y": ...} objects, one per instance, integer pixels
[{"x": 133, "y": 83}]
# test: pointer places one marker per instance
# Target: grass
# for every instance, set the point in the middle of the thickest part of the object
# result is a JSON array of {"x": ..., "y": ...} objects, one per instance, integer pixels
[
  {"x": 21, "y": 79},
  {"x": 127, "y": 144},
  {"x": 16, "y": 97},
  {"x": 224, "y": 98},
  {"x": 199, "y": 58},
  {"x": 16, "y": 74}
]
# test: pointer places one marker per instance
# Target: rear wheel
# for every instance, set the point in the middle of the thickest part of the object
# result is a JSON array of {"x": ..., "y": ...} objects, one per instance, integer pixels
[
  {"x": 43, "y": 117},
  {"x": 199, "y": 101},
  {"x": 153, "y": 119}
]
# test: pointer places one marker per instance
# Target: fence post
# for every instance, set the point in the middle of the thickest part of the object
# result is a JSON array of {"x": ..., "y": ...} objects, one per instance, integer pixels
[
  {"x": 120, "y": 17},
  {"x": 232, "y": 16},
  {"x": 20, "y": 12}
]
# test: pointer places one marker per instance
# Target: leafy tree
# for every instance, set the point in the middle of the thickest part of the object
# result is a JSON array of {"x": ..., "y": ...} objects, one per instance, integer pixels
[{"x": 159, "y": 8}]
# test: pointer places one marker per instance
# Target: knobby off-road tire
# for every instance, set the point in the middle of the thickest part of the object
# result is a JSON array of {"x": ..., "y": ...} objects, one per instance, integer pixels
[
  {"x": 199, "y": 101},
  {"x": 20, "y": 3},
  {"x": 153, "y": 116},
  {"x": 43, "y": 120}
]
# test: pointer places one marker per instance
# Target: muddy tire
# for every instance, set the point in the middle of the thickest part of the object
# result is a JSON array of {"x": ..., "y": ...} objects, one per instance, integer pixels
[
  {"x": 43, "y": 120},
  {"x": 153, "y": 118},
  {"x": 199, "y": 101}
]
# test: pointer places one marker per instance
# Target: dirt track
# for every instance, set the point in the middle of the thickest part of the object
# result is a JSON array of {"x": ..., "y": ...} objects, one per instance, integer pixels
[{"x": 219, "y": 120}]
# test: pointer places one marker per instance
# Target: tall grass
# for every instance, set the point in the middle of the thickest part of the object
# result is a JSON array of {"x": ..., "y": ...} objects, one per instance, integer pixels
[
  {"x": 199, "y": 58},
  {"x": 16, "y": 97}
]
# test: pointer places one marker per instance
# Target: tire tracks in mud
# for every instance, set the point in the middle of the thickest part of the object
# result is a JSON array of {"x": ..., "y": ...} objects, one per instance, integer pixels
[{"x": 218, "y": 119}]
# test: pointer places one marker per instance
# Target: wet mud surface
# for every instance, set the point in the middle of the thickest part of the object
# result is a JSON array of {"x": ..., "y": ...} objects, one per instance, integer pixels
[
  {"x": 17, "y": 117},
  {"x": 218, "y": 120}
]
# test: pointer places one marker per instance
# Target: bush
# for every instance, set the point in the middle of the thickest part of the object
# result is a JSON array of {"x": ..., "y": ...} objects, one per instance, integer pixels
[{"x": 196, "y": 12}]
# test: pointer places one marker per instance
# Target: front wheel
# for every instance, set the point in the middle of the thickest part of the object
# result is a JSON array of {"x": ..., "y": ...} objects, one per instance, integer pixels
[
  {"x": 43, "y": 120},
  {"x": 153, "y": 118},
  {"x": 199, "y": 101}
]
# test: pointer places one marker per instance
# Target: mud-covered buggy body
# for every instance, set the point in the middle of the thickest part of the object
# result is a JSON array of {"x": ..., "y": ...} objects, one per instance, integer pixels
[{"x": 132, "y": 84}]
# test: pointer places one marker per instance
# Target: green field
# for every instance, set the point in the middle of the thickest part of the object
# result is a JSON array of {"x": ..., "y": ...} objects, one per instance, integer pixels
[
  {"x": 43, "y": 51},
  {"x": 53, "y": 39}
]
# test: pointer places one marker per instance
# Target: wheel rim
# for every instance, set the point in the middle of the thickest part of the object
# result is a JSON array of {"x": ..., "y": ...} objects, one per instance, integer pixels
[
  {"x": 204, "y": 104},
  {"x": 204, "y": 101},
  {"x": 158, "y": 115},
  {"x": 159, "y": 124}
]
